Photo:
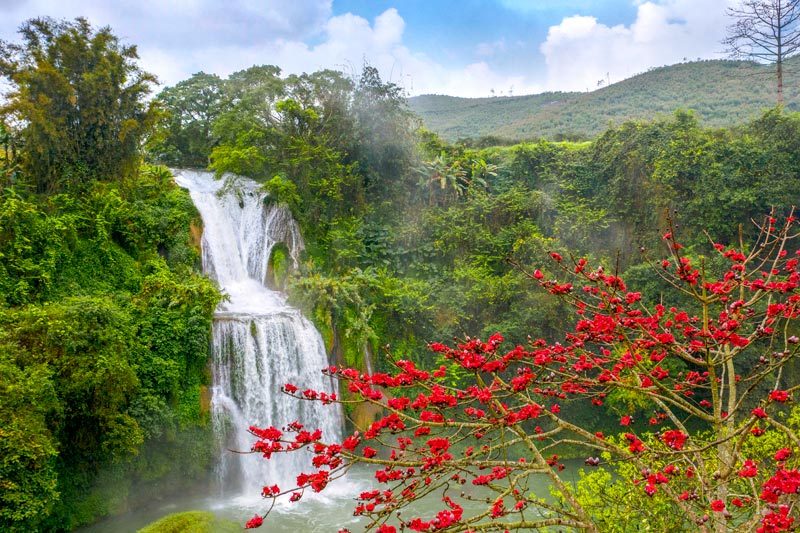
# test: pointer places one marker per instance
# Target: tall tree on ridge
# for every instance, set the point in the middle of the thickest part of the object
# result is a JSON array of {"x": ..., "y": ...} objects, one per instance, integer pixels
[{"x": 765, "y": 30}]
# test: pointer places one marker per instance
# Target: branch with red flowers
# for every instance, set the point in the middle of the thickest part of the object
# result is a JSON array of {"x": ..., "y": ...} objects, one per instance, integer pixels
[{"x": 710, "y": 371}]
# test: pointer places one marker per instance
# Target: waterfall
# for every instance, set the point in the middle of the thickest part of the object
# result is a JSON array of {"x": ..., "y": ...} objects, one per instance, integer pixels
[{"x": 259, "y": 342}]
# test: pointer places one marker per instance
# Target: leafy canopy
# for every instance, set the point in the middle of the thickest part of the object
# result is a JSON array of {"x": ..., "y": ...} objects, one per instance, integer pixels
[{"x": 78, "y": 100}]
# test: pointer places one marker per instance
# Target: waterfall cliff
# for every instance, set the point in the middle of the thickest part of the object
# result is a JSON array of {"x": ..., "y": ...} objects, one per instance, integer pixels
[{"x": 259, "y": 341}]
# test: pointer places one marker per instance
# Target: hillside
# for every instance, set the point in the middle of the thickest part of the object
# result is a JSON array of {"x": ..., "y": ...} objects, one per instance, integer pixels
[{"x": 722, "y": 93}]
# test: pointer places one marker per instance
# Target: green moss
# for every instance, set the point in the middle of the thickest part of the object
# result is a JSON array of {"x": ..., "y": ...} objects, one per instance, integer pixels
[
  {"x": 279, "y": 266},
  {"x": 192, "y": 522}
]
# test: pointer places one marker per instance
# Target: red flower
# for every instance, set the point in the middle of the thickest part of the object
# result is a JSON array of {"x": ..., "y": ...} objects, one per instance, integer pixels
[
  {"x": 718, "y": 506},
  {"x": 773, "y": 522},
  {"x": 674, "y": 439},
  {"x": 269, "y": 491},
  {"x": 254, "y": 522},
  {"x": 370, "y": 452},
  {"x": 783, "y": 454},
  {"x": 750, "y": 469},
  {"x": 779, "y": 396}
]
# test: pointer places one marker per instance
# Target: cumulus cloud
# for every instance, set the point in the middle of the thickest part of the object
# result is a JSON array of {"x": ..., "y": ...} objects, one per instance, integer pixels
[
  {"x": 581, "y": 50},
  {"x": 187, "y": 23},
  {"x": 178, "y": 34},
  {"x": 178, "y": 38},
  {"x": 345, "y": 43}
]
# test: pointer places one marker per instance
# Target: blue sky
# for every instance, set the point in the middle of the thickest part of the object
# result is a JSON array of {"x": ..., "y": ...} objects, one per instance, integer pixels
[{"x": 467, "y": 48}]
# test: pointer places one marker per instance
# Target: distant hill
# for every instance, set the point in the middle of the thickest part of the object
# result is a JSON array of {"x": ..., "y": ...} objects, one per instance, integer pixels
[{"x": 723, "y": 93}]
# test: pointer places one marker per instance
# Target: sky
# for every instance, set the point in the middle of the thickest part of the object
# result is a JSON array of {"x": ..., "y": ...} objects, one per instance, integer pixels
[{"x": 469, "y": 48}]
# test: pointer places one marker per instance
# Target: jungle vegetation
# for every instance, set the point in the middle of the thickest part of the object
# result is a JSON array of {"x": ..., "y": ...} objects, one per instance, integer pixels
[{"x": 410, "y": 239}]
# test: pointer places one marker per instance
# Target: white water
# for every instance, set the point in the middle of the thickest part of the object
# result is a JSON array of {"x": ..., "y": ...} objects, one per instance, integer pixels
[{"x": 259, "y": 342}]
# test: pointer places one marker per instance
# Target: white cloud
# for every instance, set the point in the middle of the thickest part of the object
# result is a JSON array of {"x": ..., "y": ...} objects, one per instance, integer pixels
[
  {"x": 345, "y": 43},
  {"x": 489, "y": 49},
  {"x": 177, "y": 38},
  {"x": 581, "y": 50}
]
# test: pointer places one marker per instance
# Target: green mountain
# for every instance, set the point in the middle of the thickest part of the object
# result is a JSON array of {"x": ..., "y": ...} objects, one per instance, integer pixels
[{"x": 721, "y": 92}]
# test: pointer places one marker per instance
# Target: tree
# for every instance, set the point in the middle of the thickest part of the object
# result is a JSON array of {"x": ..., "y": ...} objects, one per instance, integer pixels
[
  {"x": 699, "y": 394},
  {"x": 765, "y": 30},
  {"x": 444, "y": 174},
  {"x": 383, "y": 143},
  {"x": 192, "y": 106},
  {"x": 79, "y": 96}
]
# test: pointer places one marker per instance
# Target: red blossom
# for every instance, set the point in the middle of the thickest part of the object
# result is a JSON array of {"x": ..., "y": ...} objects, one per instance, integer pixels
[
  {"x": 783, "y": 454},
  {"x": 369, "y": 452},
  {"x": 674, "y": 439},
  {"x": 445, "y": 425},
  {"x": 254, "y": 522},
  {"x": 749, "y": 469},
  {"x": 779, "y": 396},
  {"x": 775, "y": 522}
]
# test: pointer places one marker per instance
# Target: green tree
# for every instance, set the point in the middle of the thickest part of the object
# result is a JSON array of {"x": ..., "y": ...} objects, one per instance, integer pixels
[
  {"x": 80, "y": 96},
  {"x": 186, "y": 137},
  {"x": 383, "y": 143}
]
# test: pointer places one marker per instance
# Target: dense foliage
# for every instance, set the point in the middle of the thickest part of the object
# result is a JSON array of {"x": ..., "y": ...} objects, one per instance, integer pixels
[
  {"x": 108, "y": 339},
  {"x": 104, "y": 320}
]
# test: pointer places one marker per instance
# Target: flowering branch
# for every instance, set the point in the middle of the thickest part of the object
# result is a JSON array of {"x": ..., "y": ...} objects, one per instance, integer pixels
[{"x": 700, "y": 366}]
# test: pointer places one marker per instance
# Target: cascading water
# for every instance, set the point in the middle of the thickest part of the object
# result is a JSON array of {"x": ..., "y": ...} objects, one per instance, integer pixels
[{"x": 259, "y": 342}]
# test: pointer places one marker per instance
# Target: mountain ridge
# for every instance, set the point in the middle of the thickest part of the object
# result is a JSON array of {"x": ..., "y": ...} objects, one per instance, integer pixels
[{"x": 722, "y": 93}]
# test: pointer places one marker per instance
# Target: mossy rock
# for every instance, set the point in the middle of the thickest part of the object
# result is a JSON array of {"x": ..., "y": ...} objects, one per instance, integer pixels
[
  {"x": 278, "y": 267},
  {"x": 192, "y": 522}
]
